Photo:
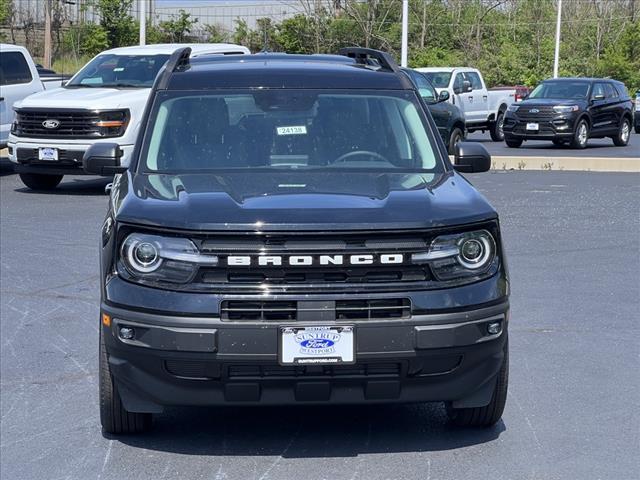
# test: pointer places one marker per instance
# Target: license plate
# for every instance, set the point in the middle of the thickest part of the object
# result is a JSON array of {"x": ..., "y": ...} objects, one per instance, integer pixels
[
  {"x": 317, "y": 345},
  {"x": 533, "y": 126},
  {"x": 47, "y": 153}
]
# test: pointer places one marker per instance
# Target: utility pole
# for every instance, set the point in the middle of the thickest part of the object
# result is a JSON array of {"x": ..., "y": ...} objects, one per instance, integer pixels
[
  {"x": 405, "y": 33},
  {"x": 47, "y": 34},
  {"x": 143, "y": 21},
  {"x": 556, "y": 57}
]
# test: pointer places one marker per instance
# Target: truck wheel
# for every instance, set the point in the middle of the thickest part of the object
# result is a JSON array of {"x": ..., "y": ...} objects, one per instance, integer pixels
[
  {"x": 622, "y": 138},
  {"x": 39, "y": 181},
  {"x": 488, "y": 415},
  {"x": 113, "y": 416},
  {"x": 513, "y": 142},
  {"x": 456, "y": 136},
  {"x": 497, "y": 128},
  {"x": 581, "y": 135}
]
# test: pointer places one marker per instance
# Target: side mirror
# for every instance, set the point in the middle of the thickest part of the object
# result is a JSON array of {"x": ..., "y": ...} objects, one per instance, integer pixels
[
  {"x": 444, "y": 96},
  {"x": 103, "y": 159},
  {"x": 466, "y": 86},
  {"x": 64, "y": 83},
  {"x": 597, "y": 97},
  {"x": 471, "y": 157}
]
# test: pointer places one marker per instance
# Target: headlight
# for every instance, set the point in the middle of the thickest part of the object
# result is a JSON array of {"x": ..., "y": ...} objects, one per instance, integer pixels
[
  {"x": 513, "y": 108},
  {"x": 566, "y": 108},
  {"x": 113, "y": 123},
  {"x": 460, "y": 255},
  {"x": 162, "y": 259}
]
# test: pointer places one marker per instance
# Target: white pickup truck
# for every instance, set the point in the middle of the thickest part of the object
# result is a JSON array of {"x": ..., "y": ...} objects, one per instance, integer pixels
[
  {"x": 103, "y": 102},
  {"x": 483, "y": 108},
  {"x": 19, "y": 78}
]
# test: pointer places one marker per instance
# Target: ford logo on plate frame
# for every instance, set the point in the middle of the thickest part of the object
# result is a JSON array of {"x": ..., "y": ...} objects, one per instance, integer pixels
[{"x": 51, "y": 123}]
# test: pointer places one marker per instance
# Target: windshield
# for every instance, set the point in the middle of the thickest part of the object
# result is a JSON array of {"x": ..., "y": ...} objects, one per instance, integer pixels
[
  {"x": 289, "y": 129},
  {"x": 562, "y": 90},
  {"x": 438, "y": 79},
  {"x": 119, "y": 71}
]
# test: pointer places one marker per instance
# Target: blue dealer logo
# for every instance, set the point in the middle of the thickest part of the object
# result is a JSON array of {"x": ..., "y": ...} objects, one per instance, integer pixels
[{"x": 317, "y": 342}]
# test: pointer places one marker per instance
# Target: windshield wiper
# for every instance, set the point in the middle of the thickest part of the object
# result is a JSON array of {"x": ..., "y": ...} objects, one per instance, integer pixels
[{"x": 122, "y": 85}]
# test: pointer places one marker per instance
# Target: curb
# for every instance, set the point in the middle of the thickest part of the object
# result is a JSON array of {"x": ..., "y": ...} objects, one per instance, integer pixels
[{"x": 593, "y": 164}]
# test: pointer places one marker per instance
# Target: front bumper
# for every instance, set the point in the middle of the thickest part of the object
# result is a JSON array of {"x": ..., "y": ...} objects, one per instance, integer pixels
[
  {"x": 549, "y": 128},
  {"x": 177, "y": 360},
  {"x": 25, "y": 155}
]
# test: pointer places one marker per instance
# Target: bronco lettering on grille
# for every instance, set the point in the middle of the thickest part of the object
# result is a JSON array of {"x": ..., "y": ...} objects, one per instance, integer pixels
[{"x": 314, "y": 260}]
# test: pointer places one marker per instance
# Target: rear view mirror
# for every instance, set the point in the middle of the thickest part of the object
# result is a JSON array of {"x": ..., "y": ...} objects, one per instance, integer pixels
[
  {"x": 444, "y": 96},
  {"x": 471, "y": 157},
  {"x": 103, "y": 159}
]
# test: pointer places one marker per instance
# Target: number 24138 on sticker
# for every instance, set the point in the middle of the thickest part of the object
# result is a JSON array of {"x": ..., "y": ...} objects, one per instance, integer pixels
[{"x": 297, "y": 130}]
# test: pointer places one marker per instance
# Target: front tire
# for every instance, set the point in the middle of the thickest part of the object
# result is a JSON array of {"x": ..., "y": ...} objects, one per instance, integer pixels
[
  {"x": 581, "y": 135},
  {"x": 497, "y": 128},
  {"x": 39, "y": 181},
  {"x": 456, "y": 136},
  {"x": 513, "y": 142},
  {"x": 113, "y": 416},
  {"x": 490, "y": 414},
  {"x": 624, "y": 133}
]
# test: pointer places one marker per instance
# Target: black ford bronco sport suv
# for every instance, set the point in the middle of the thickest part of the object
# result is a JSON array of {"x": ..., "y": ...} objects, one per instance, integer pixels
[{"x": 291, "y": 230}]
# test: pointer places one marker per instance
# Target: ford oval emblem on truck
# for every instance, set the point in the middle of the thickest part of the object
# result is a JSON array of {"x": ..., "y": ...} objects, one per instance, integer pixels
[
  {"x": 534, "y": 110},
  {"x": 51, "y": 123}
]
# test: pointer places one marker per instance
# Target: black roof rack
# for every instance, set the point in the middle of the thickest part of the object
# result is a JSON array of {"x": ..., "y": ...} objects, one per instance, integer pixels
[
  {"x": 370, "y": 57},
  {"x": 178, "y": 61}
]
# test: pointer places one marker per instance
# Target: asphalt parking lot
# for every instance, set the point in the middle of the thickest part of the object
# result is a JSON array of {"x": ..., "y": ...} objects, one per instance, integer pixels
[
  {"x": 597, "y": 147},
  {"x": 574, "y": 403}
]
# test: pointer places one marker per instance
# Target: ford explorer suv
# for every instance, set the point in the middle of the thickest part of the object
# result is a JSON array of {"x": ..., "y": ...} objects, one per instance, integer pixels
[
  {"x": 19, "y": 78},
  {"x": 483, "y": 108},
  {"x": 290, "y": 230},
  {"x": 569, "y": 111},
  {"x": 103, "y": 102}
]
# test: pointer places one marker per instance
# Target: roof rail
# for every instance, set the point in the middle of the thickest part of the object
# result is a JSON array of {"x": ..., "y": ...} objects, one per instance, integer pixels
[
  {"x": 179, "y": 60},
  {"x": 370, "y": 57}
]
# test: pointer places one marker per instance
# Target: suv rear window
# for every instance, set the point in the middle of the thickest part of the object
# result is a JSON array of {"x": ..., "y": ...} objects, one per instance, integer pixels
[
  {"x": 14, "y": 69},
  {"x": 289, "y": 129}
]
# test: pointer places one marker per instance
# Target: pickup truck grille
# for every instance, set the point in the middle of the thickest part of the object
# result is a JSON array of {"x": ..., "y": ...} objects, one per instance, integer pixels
[{"x": 70, "y": 123}]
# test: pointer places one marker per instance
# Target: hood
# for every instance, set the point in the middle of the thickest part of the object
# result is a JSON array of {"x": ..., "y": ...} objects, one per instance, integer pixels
[
  {"x": 530, "y": 102},
  {"x": 89, "y": 98},
  {"x": 298, "y": 201}
]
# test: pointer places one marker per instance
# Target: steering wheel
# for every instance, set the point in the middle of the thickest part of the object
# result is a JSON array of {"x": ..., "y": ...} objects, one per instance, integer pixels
[{"x": 358, "y": 153}]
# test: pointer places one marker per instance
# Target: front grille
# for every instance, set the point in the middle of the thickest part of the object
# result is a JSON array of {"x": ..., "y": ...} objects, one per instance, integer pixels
[
  {"x": 544, "y": 113},
  {"x": 317, "y": 276},
  {"x": 71, "y": 123},
  {"x": 270, "y": 310}
]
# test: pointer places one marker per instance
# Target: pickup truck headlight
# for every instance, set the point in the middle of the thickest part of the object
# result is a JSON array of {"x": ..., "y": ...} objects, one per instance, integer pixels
[
  {"x": 513, "y": 108},
  {"x": 566, "y": 108},
  {"x": 462, "y": 255},
  {"x": 113, "y": 123},
  {"x": 156, "y": 258}
]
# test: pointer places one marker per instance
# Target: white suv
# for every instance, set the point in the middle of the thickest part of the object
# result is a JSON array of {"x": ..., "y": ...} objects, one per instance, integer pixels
[{"x": 103, "y": 102}]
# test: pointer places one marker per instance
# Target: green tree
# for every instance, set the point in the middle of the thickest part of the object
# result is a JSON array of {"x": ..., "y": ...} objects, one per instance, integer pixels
[
  {"x": 85, "y": 40},
  {"x": 121, "y": 28},
  {"x": 216, "y": 34},
  {"x": 179, "y": 27}
]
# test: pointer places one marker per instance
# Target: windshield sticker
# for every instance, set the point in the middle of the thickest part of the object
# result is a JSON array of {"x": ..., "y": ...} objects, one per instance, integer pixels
[{"x": 297, "y": 130}]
